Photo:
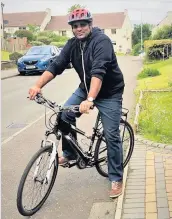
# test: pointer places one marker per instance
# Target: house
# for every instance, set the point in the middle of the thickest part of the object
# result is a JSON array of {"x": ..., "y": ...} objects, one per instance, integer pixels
[
  {"x": 116, "y": 25},
  {"x": 18, "y": 21},
  {"x": 166, "y": 21}
]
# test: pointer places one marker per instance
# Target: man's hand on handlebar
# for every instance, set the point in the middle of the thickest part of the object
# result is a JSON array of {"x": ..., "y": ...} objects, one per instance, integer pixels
[
  {"x": 85, "y": 106},
  {"x": 33, "y": 91}
]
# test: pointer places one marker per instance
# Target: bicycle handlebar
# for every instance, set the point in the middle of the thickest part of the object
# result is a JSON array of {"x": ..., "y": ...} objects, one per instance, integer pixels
[
  {"x": 42, "y": 100},
  {"x": 74, "y": 108}
]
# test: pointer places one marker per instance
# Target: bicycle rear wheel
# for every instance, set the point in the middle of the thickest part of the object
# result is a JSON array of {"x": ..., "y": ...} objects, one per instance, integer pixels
[
  {"x": 100, "y": 154},
  {"x": 34, "y": 204}
]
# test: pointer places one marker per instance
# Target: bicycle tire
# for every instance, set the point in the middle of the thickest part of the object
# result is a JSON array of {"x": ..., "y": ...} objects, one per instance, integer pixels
[
  {"x": 129, "y": 154},
  {"x": 20, "y": 206}
]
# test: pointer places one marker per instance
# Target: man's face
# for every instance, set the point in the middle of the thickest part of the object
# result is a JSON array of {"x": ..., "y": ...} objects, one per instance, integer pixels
[{"x": 81, "y": 29}]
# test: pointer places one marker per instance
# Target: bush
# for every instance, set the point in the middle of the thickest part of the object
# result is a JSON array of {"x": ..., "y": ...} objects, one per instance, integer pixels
[
  {"x": 59, "y": 38},
  {"x": 53, "y": 37},
  {"x": 136, "y": 49},
  {"x": 148, "y": 72},
  {"x": 37, "y": 43},
  {"x": 24, "y": 33},
  {"x": 15, "y": 56},
  {"x": 47, "y": 33},
  {"x": 58, "y": 44},
  {"x": 44, "y": 39}
]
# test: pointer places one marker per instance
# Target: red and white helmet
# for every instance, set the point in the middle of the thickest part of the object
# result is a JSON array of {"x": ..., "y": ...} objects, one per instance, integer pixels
[{"x": 80, "y": 14}]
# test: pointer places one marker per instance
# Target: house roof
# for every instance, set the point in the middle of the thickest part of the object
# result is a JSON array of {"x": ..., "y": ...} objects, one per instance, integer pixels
[
  {"x": 168, "y": 16},
  {"x": 104, "y": 20},
  {"x": 24, "y": 18}
]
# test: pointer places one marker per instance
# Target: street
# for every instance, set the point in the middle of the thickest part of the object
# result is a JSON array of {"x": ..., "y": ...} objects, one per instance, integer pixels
[{"x": 75, "y": 190}]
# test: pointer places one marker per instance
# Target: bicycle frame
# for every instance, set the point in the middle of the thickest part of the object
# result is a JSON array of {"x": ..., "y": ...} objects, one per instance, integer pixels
[
  {"x": 65, "y": 129},
  {"x": 60, "y": 129}
]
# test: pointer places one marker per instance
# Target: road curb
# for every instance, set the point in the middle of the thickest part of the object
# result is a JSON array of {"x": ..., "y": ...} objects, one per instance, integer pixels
[
  {"x": 12, "y": 76},
  {"x": 119, "y": 205},
  {"x": 141, "y": 139}
]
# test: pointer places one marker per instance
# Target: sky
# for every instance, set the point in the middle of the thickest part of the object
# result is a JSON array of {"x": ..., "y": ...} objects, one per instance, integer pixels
[{"x": 149, "y": 11}]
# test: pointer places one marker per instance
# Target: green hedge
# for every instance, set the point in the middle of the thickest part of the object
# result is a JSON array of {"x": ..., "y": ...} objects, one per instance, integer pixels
[
  {"x": 157, "y": 49},
  {"x": 15, "y": 56},
  {"x": 58, "y": 44},
  {"x": 44, "y": 39},
  {"x": 36, "y": 43}
]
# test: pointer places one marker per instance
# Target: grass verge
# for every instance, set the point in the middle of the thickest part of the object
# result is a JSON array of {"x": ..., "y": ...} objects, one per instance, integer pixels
[
  {"x": 159, "y": 82},
  {"x": 155, "y": 119},
  {"x": 5, "y": 56}
]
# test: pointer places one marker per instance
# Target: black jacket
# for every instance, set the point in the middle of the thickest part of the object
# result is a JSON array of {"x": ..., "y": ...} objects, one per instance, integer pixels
[{"x": 99, "y": 61}]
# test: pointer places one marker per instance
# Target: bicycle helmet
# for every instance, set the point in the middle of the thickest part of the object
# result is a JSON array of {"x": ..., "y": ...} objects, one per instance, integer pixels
[{"x": 80, "y": 14}]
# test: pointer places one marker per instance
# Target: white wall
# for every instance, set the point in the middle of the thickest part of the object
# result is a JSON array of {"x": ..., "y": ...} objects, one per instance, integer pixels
[{"x": 122, "y": 37}]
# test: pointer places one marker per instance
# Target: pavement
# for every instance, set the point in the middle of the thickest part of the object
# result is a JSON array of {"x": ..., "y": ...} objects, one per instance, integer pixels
[{"x": 148, "y": 191}]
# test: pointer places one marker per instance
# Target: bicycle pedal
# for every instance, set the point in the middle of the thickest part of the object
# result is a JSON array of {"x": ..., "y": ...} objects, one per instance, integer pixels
[
  {"x": 64, "y": 165},
  {"x": 68, "y": 164},
  {"x": 72, "y": 163}
]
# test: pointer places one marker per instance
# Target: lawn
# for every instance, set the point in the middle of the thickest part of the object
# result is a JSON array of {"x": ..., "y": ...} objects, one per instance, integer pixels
[
  {"x": 5, "y": 56},
  {"x": 159, "y": 82},
  {"x": 155, "y": 120}
]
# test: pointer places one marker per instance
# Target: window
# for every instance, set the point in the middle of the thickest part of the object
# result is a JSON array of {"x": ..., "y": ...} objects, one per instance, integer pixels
[
  {"x": 22, "y": 28},
  {"x": 57, "y": 50},
  {"x": 113, "y": 31},
  {"x": 53, "y": 50},
  {"x": 39, "y": 50},
  {"x": 10, "y": 30},
  {"x": 64, "y": 33}
]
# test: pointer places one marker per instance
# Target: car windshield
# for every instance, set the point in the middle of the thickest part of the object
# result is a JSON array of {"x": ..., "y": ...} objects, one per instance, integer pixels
[{"x": 39, "y": 50}]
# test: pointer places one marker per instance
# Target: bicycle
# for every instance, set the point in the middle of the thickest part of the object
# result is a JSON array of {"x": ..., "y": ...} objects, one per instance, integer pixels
[{"x": 84, "y": 159}]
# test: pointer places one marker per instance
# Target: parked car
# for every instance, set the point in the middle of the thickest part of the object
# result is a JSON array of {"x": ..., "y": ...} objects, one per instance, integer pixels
[{"x": 37, "y": 59}]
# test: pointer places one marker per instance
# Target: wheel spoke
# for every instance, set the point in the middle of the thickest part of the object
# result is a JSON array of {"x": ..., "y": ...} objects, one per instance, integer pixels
[
  {"x": 127, "y": 137},
  {"x": 35, "y": 191}
]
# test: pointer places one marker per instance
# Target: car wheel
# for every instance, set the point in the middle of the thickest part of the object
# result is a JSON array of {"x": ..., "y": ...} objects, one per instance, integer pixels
[{"x": 22, "y": 73}]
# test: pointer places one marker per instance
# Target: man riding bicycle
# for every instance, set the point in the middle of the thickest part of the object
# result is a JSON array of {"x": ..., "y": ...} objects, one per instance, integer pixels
[{"x": 92, "y": 55}]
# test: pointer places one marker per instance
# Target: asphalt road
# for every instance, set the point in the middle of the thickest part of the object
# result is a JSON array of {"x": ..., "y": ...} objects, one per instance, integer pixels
[{"x": 74, "y": 191}]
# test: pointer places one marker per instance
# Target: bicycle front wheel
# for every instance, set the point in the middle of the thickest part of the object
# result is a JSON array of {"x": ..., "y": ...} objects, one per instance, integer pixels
[
  {"x": 100, "y": 154},
  {"x": 33, "y": 184}
]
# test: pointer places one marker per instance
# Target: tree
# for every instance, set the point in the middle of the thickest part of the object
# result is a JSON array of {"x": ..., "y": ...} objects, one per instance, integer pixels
[
  {"x": 76, "y": 6},
  {"x": 163, "y": 33},
  {"x": 33, "y": 28},
  {"x": 24, "y": 33},
  {"x": 136, "y": 35}
]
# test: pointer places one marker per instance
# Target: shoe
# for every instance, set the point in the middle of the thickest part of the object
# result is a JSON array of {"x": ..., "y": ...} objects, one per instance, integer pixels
[
  {"x": 63, "y": 160},
  {"x": 116, "y": 189}
]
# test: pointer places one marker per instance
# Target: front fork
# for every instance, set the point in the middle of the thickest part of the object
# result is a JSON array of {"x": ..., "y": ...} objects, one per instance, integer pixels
[{"x": 52, "y": 158}]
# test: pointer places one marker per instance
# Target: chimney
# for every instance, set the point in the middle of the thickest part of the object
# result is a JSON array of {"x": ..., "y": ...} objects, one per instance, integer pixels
[{"x": 48, "y": 10}]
